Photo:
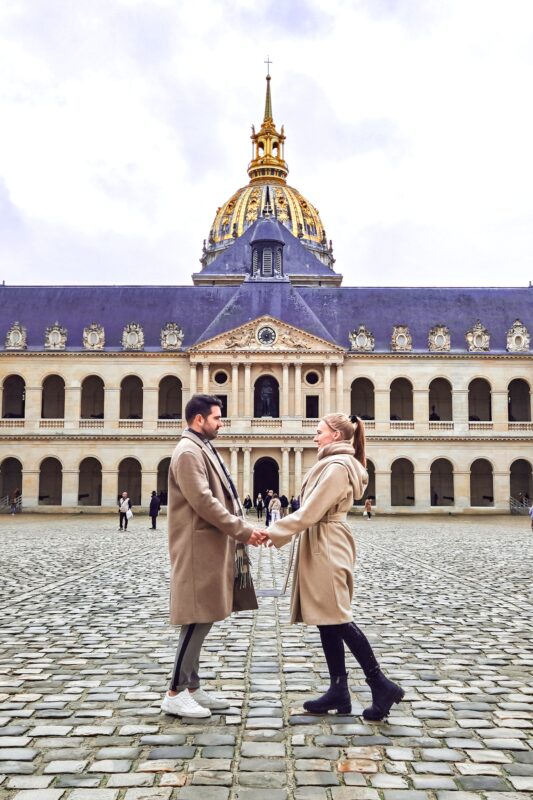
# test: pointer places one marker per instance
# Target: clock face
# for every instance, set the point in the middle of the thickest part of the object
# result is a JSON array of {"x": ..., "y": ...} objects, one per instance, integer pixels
[{"x": 266, "y": 335}]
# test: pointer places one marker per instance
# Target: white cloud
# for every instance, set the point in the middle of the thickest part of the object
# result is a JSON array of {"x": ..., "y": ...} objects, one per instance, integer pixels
[{"x": 126, "y": 124}]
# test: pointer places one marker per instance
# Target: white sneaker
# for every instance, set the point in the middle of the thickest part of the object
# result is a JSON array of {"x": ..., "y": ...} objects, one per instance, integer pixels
[
  {"x": 207, "y": 700},
  {"x": 183, "y": 705}
]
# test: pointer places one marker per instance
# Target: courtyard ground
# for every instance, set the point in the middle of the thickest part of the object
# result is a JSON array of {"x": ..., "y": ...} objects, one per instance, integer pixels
[{"x": 86, "y": 651}]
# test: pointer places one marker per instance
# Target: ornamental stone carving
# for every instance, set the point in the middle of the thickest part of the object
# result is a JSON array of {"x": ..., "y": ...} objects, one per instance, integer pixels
[
  {"x": 243, "y": 338},
  {"x": 133, "y": 337},
  {"x": 518, "y": 338},
  {"x": 16, "y": 338},
  {"x": 55, "y": 337},
  {"x": 171, "y": 336},
  {"x": 362, "y": 339},
  {"x": 477, "y": 338},
  {"x": 401, "y": 339},
  {"x": 291, "y": 340},
  {"x": 439, "y": 339},
  {"x": 94, "y": 337}
]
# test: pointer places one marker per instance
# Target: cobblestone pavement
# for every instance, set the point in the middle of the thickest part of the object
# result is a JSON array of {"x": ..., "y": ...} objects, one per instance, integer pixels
[{"x": 86, "y": 651}]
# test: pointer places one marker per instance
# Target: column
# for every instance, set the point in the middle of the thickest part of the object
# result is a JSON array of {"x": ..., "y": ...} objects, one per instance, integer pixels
[
  {"x": 72, "y": 405},
  {"x": 234, "y": 464},
  {"x": 501, "y": 490},
  {"x": 460, "y": 407},
  {"x": 297, "y": 390},
  {"x": 110, "y": 488},
  {"x": 340, "y": 388},
  {"x": 192, "y": 380},
  {"x": 421, "y": 408},
  {"x": 500, "y": 410},
  {"x": 150, "y": 406},
  {"x": 30, "y": 488},
  {"x": 246, "y": 471},
  {"x": 234, "y": 390},
  {"x": 461, "y": 489},
  {"x": 111, "y": 406},
  {"x": 285, "y": 391},
  {"x": 382, "y": 409},
  {"x": 69, "y": 494},
  {"x": 205, "y": 372},
  {"x": 327, "y": 388},
  {"x": 148, "y": 485},
  {"x": 247, "y": 390},
  {"x": 383, "y": 490},
  {"x": 422, "y": 490},
  {"x": 297, "y": 469},
  {"x": 33, "y": 403},
  {"x": 284, "y": 483}
]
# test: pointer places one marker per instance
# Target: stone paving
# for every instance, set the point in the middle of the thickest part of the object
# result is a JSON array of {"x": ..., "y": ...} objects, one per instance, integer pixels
[{"x": 86, "y": 650}]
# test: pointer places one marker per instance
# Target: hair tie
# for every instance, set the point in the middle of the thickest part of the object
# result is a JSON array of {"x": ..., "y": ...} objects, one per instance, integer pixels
[{"x": 353, "y": 418}]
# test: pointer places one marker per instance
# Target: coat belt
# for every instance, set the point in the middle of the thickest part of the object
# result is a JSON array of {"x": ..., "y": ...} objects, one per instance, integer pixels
[{"x": 339, "y": 517}]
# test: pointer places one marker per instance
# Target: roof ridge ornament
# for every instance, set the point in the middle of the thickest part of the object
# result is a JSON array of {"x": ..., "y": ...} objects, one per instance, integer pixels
[{"x": 268, "y": 161}]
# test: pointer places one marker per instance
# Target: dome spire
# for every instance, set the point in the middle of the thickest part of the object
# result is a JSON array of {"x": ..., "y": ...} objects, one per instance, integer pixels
[{"x": 268, "y": 162}]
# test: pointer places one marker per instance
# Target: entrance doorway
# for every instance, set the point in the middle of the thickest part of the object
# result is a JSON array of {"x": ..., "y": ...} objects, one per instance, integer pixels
[{"x": 266, "y": 476}]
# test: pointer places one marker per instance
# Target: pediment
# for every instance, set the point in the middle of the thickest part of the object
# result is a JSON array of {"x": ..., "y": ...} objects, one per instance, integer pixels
[{"x": 266, "y": 334}]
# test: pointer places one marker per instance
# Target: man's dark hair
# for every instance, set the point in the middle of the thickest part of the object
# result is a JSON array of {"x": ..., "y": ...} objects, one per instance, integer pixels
[{"x": 200, "y": 404}]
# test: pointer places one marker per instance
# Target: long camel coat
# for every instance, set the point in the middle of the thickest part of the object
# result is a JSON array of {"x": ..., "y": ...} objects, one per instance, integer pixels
[
  {"x": 204, "y": 525},
  {"x": 322, "y": 584}
]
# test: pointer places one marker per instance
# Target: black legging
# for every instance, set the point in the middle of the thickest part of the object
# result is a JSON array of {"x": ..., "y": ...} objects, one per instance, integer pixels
[{"x": 333, "y": 638}]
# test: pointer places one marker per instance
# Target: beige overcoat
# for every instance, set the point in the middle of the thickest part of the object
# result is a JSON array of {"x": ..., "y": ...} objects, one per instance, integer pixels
[
  {"x": 204, "y": 525},
  {"x": 322, "y": 584}
]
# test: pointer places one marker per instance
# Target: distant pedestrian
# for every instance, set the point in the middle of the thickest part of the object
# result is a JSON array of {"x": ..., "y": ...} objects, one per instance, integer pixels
[
  {"x": 155, "y": 505},
  {"x": 295, "y": 503},
  {"x": 530, "y": 512},
  {"x": 268, "y": 498},
  {"x": 124, "y": 506},
  {"x": 284, "y": 500},
  {"x": 247, "y": 503},
  {"x": 368, "y": 508},
  {"x": 15, "y": 501},
  {"x": 259, "y": 505},
  {"x": 274, "y": 508}
]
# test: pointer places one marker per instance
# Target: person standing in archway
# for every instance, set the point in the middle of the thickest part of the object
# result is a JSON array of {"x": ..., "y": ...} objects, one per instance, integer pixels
[
  {"x": 155, "y": 505},
  {"x": 322, "y": 585},
  {"x": 124, "y": 505}
]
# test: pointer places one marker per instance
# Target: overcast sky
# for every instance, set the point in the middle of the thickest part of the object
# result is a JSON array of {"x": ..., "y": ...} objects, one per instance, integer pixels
[{"x": 124, "y": 124}]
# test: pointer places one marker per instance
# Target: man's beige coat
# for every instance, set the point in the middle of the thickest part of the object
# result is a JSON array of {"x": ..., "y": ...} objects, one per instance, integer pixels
[
  {"x": 322, "y": 584},
  {"x": 203, "y": 529}
]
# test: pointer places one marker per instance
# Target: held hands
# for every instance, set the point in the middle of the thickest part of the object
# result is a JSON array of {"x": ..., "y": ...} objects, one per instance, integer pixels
[{"x": 258, "y": 537}]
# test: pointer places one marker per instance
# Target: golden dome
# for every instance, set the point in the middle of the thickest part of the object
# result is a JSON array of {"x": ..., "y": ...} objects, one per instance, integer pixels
[{"x": 268, "y": 192}]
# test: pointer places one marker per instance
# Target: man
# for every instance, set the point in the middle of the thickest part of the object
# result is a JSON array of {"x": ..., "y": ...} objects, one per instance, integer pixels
[
  {"x": 155, "y": 505},
  {"x": 124, "y": 505},
  {"x": 206, "y": 534},
  {"x": 268, "y": 497}
]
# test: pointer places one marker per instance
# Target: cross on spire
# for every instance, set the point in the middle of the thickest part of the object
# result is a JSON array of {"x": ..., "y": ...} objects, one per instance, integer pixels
[{"x": 268, "y": 62}]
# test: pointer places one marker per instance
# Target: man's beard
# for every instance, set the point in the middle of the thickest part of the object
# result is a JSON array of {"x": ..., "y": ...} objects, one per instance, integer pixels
[{"x": 210, "y": 435}]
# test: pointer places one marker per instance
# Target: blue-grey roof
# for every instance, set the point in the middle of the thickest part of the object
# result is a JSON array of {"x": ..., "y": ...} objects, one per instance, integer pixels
[{"x": 237, "y": 259}]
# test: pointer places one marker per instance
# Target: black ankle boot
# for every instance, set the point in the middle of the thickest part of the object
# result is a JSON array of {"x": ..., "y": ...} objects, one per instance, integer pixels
[
  {"x": 384, "y": 694},
  {"x": 337, "y": 698}
]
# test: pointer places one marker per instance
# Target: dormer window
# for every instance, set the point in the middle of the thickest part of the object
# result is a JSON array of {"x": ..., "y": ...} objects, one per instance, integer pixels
[{"x": 267, "y": 262}]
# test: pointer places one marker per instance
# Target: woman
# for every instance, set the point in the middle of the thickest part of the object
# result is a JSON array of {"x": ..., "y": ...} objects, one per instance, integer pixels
[
  {"x": 259, "y": 506},
  {"x": 368, "y": 508},
  {"x": 322, "y": 585},
  {"x": 275, "y": 509},
  {"x": 247, "y": 503}
]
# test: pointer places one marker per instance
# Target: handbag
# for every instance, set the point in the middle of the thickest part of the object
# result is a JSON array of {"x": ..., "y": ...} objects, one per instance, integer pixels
[
  {"x": 129, "y": 513},
  {"x": 244, "y": 598}
]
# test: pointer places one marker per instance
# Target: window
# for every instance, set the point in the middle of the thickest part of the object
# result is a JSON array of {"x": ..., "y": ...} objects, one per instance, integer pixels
[
  {"x": 267, "y": 262},
  {"x": 311, "y": 406},
  {"x": 224, "y": 400}
]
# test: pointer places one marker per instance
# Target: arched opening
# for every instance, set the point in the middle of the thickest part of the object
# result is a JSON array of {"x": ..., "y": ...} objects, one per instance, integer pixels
[
  {"x": 520, "y": 481},
  {"x": 129, "y": 479},
  {"x": 13, "y": 397},
  {"x": 90, "y": 483},
  {"x": 441, "y": 483},
  {"x": 519, "y": 401},
  {"x": 92, "y": 398},
  {"x": 370, "y": 491},
  {"x": 401, "y": 399},
  {"x": 362, "y": 398},
  {"x": 10, "y": 477},
  {"x": 440, "y": 400},
  {"x": 50, "y": 482},
  {"x": 266, "y": 476},
  {"x": 266, "y": 397},
  {"x": 481, "y": 483},
  {"x": 162, "y": 480},
  {"x": 131, "y": 398},
  {"x": 53, "y": 398},
  {"x": 479, "y": 401},
  {"x": 170, "y": 398},
  {"x": 402, "y": 483}
]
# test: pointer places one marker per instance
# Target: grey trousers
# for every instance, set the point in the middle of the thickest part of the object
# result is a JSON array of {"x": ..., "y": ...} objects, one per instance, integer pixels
[{"x": 187, "y": 663}]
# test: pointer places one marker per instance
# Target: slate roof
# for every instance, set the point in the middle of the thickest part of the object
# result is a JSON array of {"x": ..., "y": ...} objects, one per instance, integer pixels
[{"x": 329, "y": 312}]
